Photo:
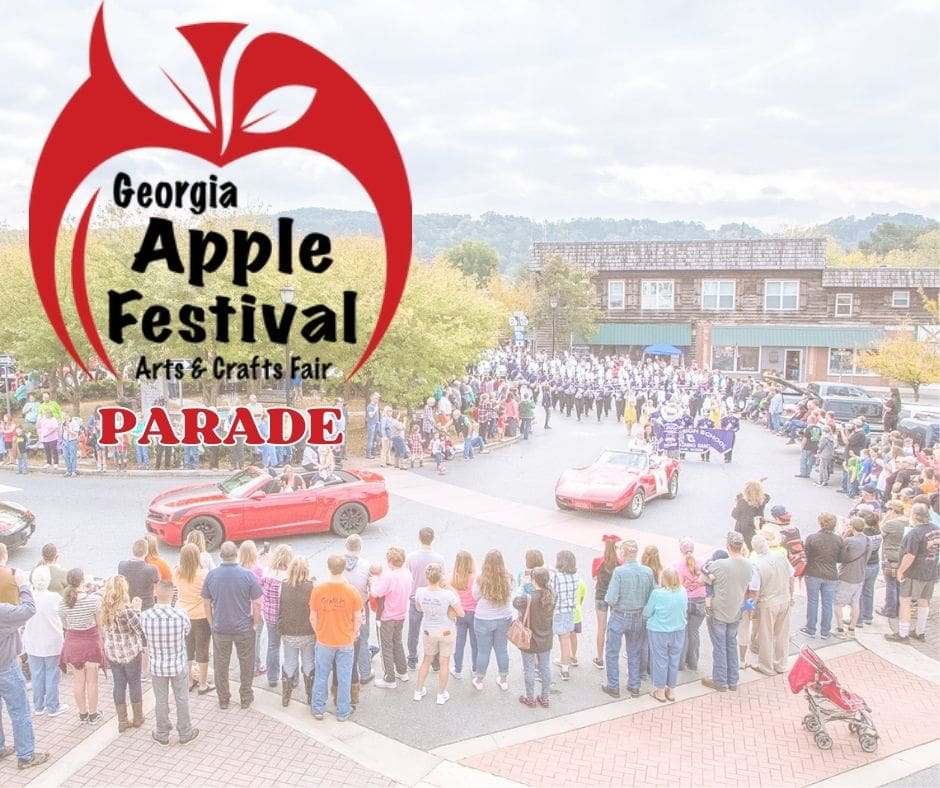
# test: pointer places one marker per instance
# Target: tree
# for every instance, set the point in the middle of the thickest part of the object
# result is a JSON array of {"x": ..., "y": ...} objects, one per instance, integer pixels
[
  {"x": 519, "y": 296},
  {"x": 888, "y": 237},
  {"x": 444, "y": 322},
  {"x": 475, "y": 259},
  {"x": 575, "y": 298},
  {"x": 906, "y": 360}
]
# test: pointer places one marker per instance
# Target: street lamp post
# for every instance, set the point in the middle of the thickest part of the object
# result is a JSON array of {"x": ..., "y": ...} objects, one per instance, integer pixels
[
  {"x": 553, "y": 303},
  {"x": 287, "y": 297}
]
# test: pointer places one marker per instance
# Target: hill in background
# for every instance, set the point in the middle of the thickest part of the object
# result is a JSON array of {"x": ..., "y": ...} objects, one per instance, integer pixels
[{"x": 511, "y": 236}]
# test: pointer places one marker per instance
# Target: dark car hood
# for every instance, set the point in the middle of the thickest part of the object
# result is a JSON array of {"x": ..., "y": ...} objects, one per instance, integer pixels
[{"x": 184, "y": 497}]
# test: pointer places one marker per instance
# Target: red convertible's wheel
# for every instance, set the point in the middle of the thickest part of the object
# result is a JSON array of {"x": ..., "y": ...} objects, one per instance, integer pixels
[
  {"x": 349, "y": 519},
  {"x": 636, "y": 505},
  {"x": 210, "y": 528},
  {"x": 673, "y": 486}
]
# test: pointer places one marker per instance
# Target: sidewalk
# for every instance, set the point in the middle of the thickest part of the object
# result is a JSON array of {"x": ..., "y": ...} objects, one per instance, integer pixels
[{"x": 751, "y": 737}]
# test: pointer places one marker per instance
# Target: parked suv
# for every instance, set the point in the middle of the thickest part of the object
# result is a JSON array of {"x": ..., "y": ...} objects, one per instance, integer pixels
[
  {"x": 826, "y": 389},
  {"x": 846, "y": 406}
]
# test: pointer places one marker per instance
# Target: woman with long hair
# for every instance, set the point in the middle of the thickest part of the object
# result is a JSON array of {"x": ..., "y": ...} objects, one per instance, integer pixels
[
  {"x": 274, "y": 575},
  {"x": 748, "y": 505},
  {"x": 294, "y": 630},
  {"x": 153, "y": 558},
  {"x": 123, "y": 645},
  {"x": 690, "y": 575},
  {"x": 564, "y": 584},
  {"x": 492, "y": 590},
  {"x": 537, "y": 609},
  {"x": 188, "y": 579},
  {"x": 83, "y": 650},
  {"x": 651, "y": 559},
  {"x": 666, "y": 619},
  {"x": 602, "y": 568},
  {"x": 198, "y": 539},
  {"x": 461, "y": 580},
  {"x": 248, "y": 559}
]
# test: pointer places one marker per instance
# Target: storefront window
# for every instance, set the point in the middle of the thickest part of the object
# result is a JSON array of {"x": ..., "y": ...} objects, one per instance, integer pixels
[
  {"x": 845, "y": 361},
  {"x": 729, "y": 358},
  {"x": 723, "y": 358},
  {"x": 748, "y": 359}
]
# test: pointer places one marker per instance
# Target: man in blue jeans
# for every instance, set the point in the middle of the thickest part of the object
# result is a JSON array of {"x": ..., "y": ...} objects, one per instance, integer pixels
[
  {"x": 729, "y": 578},
  {"x": 231, "y": 596},
  {"x": 336, "y": 617},
  {"x": 808, "y": 448},
  {"x": 12, "y": 682},
  {"x": 630, "y": 587},
  {"x": 358, "y": 574},
  {"x": 823, "y": 550},
  {"x": 373, "y": 418}
]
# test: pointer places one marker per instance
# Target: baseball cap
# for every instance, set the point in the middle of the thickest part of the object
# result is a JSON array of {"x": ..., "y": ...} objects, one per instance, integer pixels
[
  {"x": 779, "y": 512},
  {"x": 686, "y": 545},
  {"x": 870, "y": 488}
]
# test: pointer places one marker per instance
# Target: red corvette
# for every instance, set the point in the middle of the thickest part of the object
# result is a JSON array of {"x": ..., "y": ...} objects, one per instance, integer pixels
[
  {"x": 249, "y": 505},
  {"x": 619, "y": 481}
]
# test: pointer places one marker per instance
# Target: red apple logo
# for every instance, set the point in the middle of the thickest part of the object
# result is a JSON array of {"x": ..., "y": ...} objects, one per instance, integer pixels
[{"x": 104, "y": 118}]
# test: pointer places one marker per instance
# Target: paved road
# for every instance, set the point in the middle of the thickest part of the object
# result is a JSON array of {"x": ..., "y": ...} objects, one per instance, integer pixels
[{"x": 94, "y": 519}]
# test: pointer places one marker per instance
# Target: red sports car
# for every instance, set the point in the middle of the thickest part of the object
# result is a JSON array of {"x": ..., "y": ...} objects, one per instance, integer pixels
[
  {"x": 250, "y": 505},
  {"x": 619, "y": 481}
]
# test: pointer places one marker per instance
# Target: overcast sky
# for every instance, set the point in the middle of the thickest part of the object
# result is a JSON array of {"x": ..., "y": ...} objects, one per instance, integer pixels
[{"x": 774, "y": 114}]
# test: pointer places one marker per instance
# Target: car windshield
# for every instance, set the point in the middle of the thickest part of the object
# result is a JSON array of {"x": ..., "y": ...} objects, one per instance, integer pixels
[
  {"x": 630, "y": 459},
  {"x": 237, "y": 484}
]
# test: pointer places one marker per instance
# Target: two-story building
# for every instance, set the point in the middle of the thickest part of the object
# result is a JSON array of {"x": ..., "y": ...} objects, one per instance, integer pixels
[{"x": 747, "y": 306}]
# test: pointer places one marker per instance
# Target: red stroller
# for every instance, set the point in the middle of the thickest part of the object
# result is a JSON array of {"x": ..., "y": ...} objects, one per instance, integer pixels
[{"x": 828, "y": 702}]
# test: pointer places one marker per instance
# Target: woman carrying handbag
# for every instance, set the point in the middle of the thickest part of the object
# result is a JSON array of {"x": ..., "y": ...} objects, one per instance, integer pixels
[{"x": 532, "y": 634}]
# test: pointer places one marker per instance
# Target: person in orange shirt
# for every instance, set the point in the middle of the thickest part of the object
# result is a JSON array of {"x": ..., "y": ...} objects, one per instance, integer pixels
[
  {"x": 153, "y": 558},
  {"x": 336, "y": 616}
]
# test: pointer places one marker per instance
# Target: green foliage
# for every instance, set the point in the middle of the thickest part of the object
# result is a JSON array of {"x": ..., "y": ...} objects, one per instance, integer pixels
[
  {"x": 921, "y": 250},
  {"x": 476, "y": 259},
  {"x": 444, "y": 322},
  {"x": 576, "y": 300},
  {"x": 906, "y": 360},
  {"x": 849, "y": 232},
  {"x": 889, "y": 236}
]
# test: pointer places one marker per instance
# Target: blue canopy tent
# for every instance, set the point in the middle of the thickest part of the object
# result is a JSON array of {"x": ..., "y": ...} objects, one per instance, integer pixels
[{"x": 661, "y": 350}]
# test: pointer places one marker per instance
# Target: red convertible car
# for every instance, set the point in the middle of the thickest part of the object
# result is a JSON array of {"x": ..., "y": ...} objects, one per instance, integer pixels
[
  {"x": 250, "y": 505},
  {"x": 619, "y": 481}
]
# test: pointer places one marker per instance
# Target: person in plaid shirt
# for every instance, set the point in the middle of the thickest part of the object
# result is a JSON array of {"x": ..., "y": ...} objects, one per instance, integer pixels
[
  {"x": 416, "y": 446},
  {"x": 165, "y": 628}
]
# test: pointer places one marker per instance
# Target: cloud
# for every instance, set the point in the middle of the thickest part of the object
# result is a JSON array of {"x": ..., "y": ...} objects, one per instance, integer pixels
[{"x": 663, "y": 110}]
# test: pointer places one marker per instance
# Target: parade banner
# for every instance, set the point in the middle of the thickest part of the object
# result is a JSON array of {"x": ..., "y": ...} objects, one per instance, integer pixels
[{"x": 673, "y": 436}]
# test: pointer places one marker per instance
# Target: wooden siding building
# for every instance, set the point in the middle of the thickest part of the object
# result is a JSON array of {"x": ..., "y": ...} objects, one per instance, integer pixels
[{"x": 747, "y": 306}]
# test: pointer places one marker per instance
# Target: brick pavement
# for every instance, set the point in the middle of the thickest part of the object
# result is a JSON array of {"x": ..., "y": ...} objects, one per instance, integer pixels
[
  {"x": 57, "y": 736},
  {"x": 931, "y": 646},
  {"x": 234, "y": 748},
  {"x": 722, "y": 739}
]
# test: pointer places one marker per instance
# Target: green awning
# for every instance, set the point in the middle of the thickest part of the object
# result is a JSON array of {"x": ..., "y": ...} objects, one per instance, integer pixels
[
  {"x": 796, "y": 336},
  {"x": 678, "y": 334}
]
